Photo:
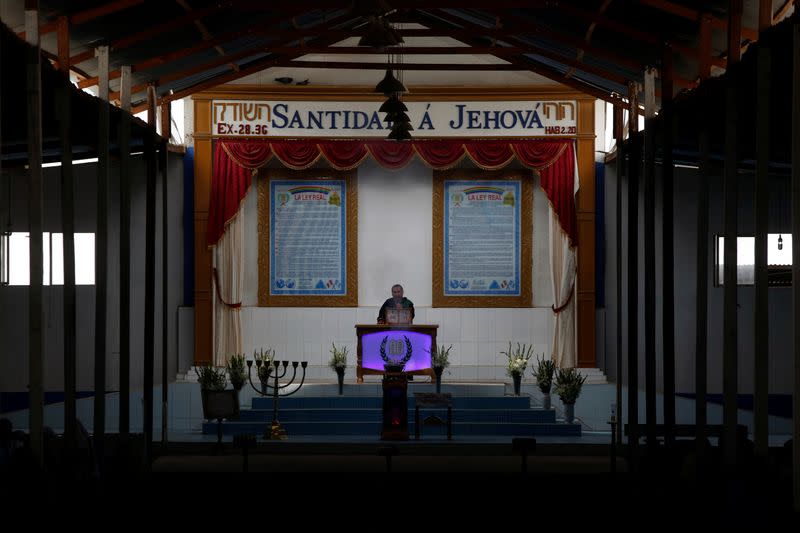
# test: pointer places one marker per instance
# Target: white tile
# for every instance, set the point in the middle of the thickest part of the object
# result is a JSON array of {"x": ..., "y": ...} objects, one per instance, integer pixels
[
  {"x": 347, "y": 321},
  {"x": 291, "y": 350},
  {"x": 503, "y": 325},
  {"x": 330, "y": 326},
  {"x": 294, "y": 324},
  {"x": 312, "y": 352},
  {"x": 312, "y": 330},
  {"x": 501, "y": 374},
  {"x": 487, "y": 354},
  {"x": 469, "y": 373},
  {"x": 367, "y": 315},
  {"x": 455, "y": 352},
  {"x": 486, "y": 373},
  {"x": 469, "y": 325},
  {"x": 521, "y": 326},
  {"x": 276, "y": 326},
  {"x": 486, "y": 320},
  {"x": 434, "y": 315},
  {"x": 450, "y": 329},
  {"x": 467, "y": 354}
]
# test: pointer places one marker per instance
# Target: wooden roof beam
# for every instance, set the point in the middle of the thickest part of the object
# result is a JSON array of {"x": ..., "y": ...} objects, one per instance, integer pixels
[
  {"x": 357, "y": 65},
  {"x": 526, "y": 63},
  {"x": 176, "y": 75},
  {"x": 158, "y": 29},
  {"x": 564, "y": 60},
  {"x": 694, "y": 15},
  {"x": 179, "y": 54},
  {"x": 257, "y": 66},
  {"x": 512, "y": 28},
  {"x": 201, "y": 27},
  {"x": 88, "y": 15}
]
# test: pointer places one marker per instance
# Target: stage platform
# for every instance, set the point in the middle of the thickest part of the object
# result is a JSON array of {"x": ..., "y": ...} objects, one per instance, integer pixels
[{"x": 478, "y": 409}]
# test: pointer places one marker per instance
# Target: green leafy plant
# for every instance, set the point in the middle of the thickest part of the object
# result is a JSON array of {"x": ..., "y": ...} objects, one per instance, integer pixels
[
  {"x": 518, "y": 358},
  {"x": 235, "y": 365},
  {"x": 568, "y": 384},
  {"x": 211, "y": 378},
  {"x": 545, "y": 368},
  {"x": 266, "y": 357},
  {"x": 440, "y": 356},
  {"x": 338, "y": 357}
]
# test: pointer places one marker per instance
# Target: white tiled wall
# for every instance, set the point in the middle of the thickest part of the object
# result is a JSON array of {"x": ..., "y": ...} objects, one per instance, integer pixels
[{"x": 477, "y": 335}]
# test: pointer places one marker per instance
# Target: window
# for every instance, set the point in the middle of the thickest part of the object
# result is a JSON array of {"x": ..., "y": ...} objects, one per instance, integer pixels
[
  {"x": 17, "y": 257},
  {"x": 779, "y": 260}
]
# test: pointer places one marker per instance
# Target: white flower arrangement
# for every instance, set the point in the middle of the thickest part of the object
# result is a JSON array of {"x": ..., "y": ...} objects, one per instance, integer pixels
[{"x": 517, "y": 358}]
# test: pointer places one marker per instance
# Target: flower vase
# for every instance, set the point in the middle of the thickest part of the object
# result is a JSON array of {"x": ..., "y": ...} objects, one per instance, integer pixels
[
  {"x": 546, "y": 401},
  {"x": 438, "y": 371},
  {"x": 569, "y": 413},
  {"x": 517, "y": 377},
  {"x": 340, "y": 376}
]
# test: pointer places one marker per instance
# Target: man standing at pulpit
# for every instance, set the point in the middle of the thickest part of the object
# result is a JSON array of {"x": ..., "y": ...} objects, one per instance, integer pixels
[{"x": 397, "y": 301}]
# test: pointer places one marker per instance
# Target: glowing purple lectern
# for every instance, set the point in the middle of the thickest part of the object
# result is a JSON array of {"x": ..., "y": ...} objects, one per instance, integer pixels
[{"x": 385, "y": 344}]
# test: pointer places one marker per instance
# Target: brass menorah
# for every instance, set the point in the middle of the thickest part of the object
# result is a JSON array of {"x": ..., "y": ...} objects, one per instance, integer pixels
[{"x": 274, "y": 430}]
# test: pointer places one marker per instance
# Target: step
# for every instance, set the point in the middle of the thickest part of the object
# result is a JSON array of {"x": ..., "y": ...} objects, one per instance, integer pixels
[
  {"x": 375, "y": 415},
  {"x": 374, "y": 428},
  {"x": 375, "y": 402}
]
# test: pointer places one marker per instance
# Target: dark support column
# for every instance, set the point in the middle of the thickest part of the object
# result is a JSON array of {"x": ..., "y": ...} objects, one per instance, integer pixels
[
  {"x": 634, "y": 162},
  {"x": 761, "y": 311},
  {"x": 164, "y": 293},
  {"x": 730, "y": 353},
  {"x": 668, "y": 259},
  {"x": 730, "y": 346},
  {"x": 125, "y": 254},
  {"x": 651, "y": 413},
  {"x": 796, "y": 255},
  {"x": 101, "y": 258},
  {"x": 64, "y": 113},
  {"x": 701, "y": 331},
  {"x": 35, "y": 225},
  {"x": 149, "y": 291},
  {"x": 618, "y": 136}
]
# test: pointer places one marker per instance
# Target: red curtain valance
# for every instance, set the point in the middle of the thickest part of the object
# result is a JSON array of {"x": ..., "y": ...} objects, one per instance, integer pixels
[{"x": 235, "y": 161}]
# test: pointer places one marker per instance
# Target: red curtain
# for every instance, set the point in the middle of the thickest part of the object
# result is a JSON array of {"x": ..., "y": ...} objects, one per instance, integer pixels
[
  {"x": 233, "y": 172},
  {"x": 235, "y": 161},
  {"x": 558, "y": 182}
]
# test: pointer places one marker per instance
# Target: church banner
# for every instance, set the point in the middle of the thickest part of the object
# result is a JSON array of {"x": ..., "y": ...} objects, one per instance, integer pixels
[
  {"x": 307, "y": 238},
  {"x": 482, "y": 238},
  {"x": 338, "y": 119},
  {"x": 307, "y": 230}
]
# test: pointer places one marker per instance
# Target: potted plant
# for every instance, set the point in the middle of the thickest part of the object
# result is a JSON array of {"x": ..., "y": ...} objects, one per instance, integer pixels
[
  {"x": 338, "y": 363},
  {"x": 264, "y": 361},
  {"x": 212, "y": 390},
  {"x": 211, "y": 378},
  {"x": 545, "y": 368},
  {"x": 568, "y": 385},
  {"x": 517, "y": 363},
  {"x": 440, "y": 359},
  {"x": 235, "y": 366}
]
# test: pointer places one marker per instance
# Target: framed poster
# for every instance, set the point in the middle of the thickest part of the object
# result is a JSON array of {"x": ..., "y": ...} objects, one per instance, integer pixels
[
  {"x": 307, "y": 235},
  {"x": 482, "y": 238}
]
